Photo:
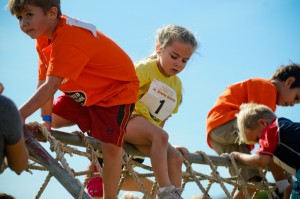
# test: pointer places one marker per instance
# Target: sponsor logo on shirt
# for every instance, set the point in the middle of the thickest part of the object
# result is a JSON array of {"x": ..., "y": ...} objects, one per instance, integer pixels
[{"x": 77, "y": 96}]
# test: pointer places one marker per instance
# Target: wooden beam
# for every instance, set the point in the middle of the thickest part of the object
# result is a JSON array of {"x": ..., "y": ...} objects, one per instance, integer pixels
[
  {"x": 37, "y": 151},
  {"x": 73, "y": 139}
]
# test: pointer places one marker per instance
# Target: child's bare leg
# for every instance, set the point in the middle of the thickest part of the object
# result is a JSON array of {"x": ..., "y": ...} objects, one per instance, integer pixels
[
  {"x": 280, "y": 177},
  {"x": 175, "y": 161},
  {"x": 59, "y": 122},
  {"x": 152, "y": 141},
  {"x": 158, "y": 156},
  {"x": 112, "y": 156},
  {"x": 131, "y": 185}
]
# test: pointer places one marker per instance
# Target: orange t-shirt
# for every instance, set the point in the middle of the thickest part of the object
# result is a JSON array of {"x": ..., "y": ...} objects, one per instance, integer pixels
[
  {"x": 255, "y": 90},
  {"x": 95, "y": 69}
]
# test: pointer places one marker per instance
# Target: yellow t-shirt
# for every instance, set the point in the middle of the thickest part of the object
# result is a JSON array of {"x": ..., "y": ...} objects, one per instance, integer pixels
[{"x": 158, "y": 96}]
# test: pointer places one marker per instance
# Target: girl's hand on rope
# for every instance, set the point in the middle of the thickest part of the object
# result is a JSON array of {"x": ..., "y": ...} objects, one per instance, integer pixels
[
  {"x": 184, "y": 151},
  {"x": 235, "y": 155},
  {"x": 27, "y": 131}
]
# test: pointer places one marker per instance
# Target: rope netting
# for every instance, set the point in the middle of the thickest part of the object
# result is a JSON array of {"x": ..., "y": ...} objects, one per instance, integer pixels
[{"x": 62, "y": 144}]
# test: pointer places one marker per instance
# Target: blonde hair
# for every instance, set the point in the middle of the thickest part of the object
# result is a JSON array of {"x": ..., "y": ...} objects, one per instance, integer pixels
[
  {"x": 168, "y": 34},
  {"x": 248, "y": 116}
]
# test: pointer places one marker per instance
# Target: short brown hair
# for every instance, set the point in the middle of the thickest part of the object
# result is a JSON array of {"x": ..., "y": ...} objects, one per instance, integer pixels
[
  {"x": 286, "y": 71},
  {"x": 16, "y": 6}
]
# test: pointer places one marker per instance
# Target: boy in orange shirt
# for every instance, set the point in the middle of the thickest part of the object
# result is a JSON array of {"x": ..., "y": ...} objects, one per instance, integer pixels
[
  {"x": 96, "y": 76},
  {"x": 283, "y": 89}
]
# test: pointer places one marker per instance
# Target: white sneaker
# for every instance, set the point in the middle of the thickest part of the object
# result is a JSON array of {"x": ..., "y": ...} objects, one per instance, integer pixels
[{"x": 169, "y": 193}]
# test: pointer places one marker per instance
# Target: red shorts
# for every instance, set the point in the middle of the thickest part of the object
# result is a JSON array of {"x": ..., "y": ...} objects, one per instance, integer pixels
[{"x": 107, "y": 124}]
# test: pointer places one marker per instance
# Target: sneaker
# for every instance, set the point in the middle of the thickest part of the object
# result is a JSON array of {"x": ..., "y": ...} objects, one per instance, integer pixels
[{"x": 169, "y": 193}]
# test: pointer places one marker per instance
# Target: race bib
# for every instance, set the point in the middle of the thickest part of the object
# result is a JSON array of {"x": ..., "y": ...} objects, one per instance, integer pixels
[
  {"x": 160, "y": 100},
  {"x": 82, "y": 24}
]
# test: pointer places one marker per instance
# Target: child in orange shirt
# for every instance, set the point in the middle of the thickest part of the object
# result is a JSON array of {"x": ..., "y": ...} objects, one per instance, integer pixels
[
  {"x": 96, "y": 76},
  {"x": 283, "y": 89}
]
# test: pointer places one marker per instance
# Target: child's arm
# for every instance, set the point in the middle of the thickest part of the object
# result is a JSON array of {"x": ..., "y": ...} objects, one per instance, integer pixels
[
  {"x": 46, "y": 109},
  {"x": 255, "y": 160},
  {"x": 43, "y": 94},
  {"x": 184, "y": 151}
]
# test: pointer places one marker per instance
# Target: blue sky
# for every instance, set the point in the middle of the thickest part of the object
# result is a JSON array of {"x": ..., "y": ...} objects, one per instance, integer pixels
[{"x": 238, "y": 40}]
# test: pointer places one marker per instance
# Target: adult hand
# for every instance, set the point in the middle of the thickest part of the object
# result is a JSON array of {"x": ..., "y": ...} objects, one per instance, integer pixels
[{"x": 37, "y": 132}]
